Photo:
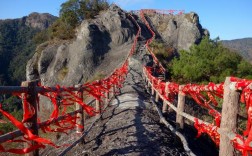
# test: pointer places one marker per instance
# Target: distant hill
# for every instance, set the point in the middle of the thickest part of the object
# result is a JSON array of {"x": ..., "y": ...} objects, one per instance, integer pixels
[
  {"x": 17, "y": 46},
  {"x": 241, "y": 46}
]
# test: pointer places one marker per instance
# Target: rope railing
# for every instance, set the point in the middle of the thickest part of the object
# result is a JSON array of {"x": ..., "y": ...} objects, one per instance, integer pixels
[
  {"x": 61, "y": 98},
  {"x": 223, "y": 130}
]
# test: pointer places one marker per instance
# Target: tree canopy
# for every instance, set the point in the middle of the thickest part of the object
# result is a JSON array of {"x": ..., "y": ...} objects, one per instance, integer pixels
[
  {"x": 72, "y": 13},
  {"x": 208, "y": 62}
]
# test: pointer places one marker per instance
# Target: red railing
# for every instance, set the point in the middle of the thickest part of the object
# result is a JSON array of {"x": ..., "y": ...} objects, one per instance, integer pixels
[
  {"x": 223, "y": 129},
  {"x": 62, "y": 97}
]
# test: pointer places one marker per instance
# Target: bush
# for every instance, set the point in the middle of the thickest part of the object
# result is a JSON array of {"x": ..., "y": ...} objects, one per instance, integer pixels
[
  {"x": 162, "y": 52},
  {"x": 208, "y": 61},
  {"x": 72, "y": 13}
]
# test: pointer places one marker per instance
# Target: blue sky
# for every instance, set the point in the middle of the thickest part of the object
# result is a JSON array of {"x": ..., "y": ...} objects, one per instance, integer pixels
[{"x": 228, "y": 19}]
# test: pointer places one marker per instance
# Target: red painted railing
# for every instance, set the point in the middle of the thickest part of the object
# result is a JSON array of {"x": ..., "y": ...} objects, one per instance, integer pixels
[
  {"x": 63, "y": 97},
  {"x": 223, "y": 130}
]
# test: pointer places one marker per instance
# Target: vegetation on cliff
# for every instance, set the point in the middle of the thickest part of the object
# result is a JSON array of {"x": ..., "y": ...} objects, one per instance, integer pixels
[
  {"x": 72, "y": 13},
  {"x": 241, "y": 46},
  {"x": 208, "y": 61}
]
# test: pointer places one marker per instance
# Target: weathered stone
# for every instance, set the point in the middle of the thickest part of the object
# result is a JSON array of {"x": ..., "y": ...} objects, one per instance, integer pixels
[
  {"x": 97, "y": 42},
  {"x": 39, "y": 21},
  {"x": 178, "y": 31}
]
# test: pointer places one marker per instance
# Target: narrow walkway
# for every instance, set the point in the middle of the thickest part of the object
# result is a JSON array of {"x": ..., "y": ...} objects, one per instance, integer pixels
[{"x": 130, "y": 126}]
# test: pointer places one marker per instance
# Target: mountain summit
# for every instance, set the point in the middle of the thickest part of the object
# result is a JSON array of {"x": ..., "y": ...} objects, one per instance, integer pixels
[
  {"x": 102, "y": 43},
  {"x": 39, "y": 21}
]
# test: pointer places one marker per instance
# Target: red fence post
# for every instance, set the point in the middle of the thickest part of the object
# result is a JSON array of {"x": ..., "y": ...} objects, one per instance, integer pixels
[
  {"x": 228, "y": 117},
  {"x": 31, "y": 98},
  {"x": 80, "y": 116}
]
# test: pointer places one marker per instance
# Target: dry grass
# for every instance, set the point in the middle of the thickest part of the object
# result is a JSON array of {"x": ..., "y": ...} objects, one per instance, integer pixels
[{"x": 62, "y": 73}]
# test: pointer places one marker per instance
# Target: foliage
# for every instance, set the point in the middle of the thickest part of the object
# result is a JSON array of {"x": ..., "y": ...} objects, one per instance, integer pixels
[
  {"x": 241, "y": 46},
  {"x": 72, "y": 13},
  {"x": 163, "y": 53},
  {"x": 62, "y": 73},
  {"x": 13, "y": 105},
  {"x": 16, "y": 48},
  {"x": 208, "y": 61}
]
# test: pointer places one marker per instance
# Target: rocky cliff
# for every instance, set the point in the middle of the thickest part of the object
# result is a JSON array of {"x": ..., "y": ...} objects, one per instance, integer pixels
[
  {"x": 101, "y": 44},
  {"x": 39, "y": 21},
  {"x": 178, "y": 31}
]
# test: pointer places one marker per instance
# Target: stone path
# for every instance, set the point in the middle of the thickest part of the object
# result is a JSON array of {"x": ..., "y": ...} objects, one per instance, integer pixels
[{"x": 130, "y": 126}]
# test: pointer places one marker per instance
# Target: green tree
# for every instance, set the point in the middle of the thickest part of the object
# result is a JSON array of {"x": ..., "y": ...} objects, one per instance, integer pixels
[
  {"x": 72, "y": 13},
  {"x": 69, "y": 12},
  {"x": 208, "y": 61}
]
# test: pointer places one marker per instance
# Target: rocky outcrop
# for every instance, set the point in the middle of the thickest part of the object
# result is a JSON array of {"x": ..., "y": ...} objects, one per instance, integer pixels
[
  {"x": 100, "y": 46},
  {"x": 178, "y": 31},
  {"x": 39, "y": 21},
  {"x": 102, "y": 43}
]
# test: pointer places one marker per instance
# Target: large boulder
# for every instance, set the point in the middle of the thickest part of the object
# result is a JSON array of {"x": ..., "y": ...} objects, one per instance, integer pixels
[
  {"x": 100, "y": 46},
  {"x": 178, "y": 31}
]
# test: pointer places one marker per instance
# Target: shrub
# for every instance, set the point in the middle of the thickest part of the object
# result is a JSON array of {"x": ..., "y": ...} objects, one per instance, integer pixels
[{"x": 208, "y": 61}]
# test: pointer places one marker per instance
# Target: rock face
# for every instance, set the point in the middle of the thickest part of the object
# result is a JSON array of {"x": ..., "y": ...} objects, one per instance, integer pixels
[
  {"x": 39, "y": 21},
  {"x": 100, "y": 46},
  {"x": 178, "y": 31}
]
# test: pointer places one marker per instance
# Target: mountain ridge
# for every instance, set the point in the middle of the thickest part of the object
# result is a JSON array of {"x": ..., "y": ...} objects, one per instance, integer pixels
[
  {"x": 17, "y": 45},
  {"x": 242, "y": 46}
]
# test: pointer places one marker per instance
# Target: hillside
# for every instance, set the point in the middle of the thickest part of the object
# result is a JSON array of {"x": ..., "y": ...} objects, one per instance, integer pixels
[
  {"x": 17, "y": 46},
  {"x": 241, "y": 46}
]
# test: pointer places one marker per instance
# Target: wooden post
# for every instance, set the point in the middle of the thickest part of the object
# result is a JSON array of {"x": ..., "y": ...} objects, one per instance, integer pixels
[
  {"x": 80, "y": 116},
  {"x": 181, "y": 107},
  {"x": 165, "y": 106},
  {"x": 31, "y": 98},
  {"x": 229, "y": 117},
  {"x": 107, "y": 98},
  {"x": 97, "y": 108},
  {"x": 157, "y": 96},
  {"x": 152, "y": 87},
  {"x": 113, "y": 90}
]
